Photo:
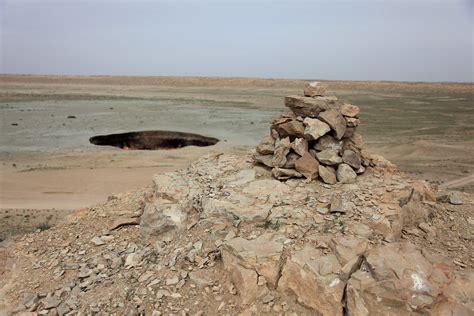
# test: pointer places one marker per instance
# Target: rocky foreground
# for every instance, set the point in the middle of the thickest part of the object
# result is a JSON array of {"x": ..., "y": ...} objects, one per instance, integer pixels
[{"x": 224, "y": 237}]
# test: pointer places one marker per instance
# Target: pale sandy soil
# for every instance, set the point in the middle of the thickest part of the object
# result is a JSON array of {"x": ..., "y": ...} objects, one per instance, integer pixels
[{"x": 47, "y": 162}]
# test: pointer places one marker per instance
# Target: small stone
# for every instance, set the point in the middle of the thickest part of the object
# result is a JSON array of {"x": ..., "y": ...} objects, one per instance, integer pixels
[
  {"x": 300, "y": 146},
  {"x": 232, "y": 290},
  {"x": 277, "y": 308},
  {"x": 345, "y": 174},
  {"x": 50, "y": 302},
  {"x": 360, "y": 170},
  {"x": 133, "y": 260},
  {"x": 327, "y": 174},
  {"x": 97, "y": 241},
  {"x": 309, "y": 106},
  {"x": 285, "y": 174},
  {"x": 459, "y": 263},
  {"x": 176, "y": 295},
  {"x": 315, "y": 88},
  {"x": 85, "y": 273},
  {"x": 349, "y": 110},
  {"x": 268, "y": 298},
  {"x": 329, "y": 157},
  {"x": 307, "y": 166},
  {"x": 30, "y": 300},
  {"x": 172, "y": 281},
  {"x": 335, "y": 120},
  {"x": 328, "y": 142},
  {"x": 154, "y": 222},
  {"x": 266, "y": 146},
  {"x": 315, "y": 128},
  {"x": 352, "y": 122},
  {"x": 286, "y": 125},
  {"x": 162, "y": 293},
  {"x": 221, "y": 306},
  {"x": 107, "y": 238},
  {"x": 455, "y": 199},
  {"x": 322, "y": 210},
  {"x": 261, "y": 280},
  {"x": 198, "y": 245},
  {"x": 265, "y": 160},
  {"x": 282, "y": 148},
  {"x": 337, "y": 205},
  {"x": 351, "y": 158}
]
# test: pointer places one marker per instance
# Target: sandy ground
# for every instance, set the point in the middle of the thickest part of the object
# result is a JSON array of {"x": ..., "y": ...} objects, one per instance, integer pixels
[{"x": 48, "y": 164}]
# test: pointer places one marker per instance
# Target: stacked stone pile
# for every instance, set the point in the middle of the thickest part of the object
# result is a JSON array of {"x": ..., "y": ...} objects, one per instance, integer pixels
[{"x": 317, "y": 139}]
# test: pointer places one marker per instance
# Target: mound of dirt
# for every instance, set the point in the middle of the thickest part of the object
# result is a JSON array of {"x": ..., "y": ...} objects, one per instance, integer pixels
[{"x": 223, "y": 236}]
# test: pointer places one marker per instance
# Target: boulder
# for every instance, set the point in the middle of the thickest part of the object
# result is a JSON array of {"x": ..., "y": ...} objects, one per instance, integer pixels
[
  {"x": 346, "y": 249},
  {"x": 245, "y": 281},
  {"x": 261, "y": 255},
  {"x": 282, "y": 148},
  {"x": 170, "y": 186},
  {"x": 400, "y": 279},
  {"x": 315, "y": 128},
  {"x": 335, "y": 120},
  {"x": 310, "y": 107},
  {"x": 307, "y": 166},
  {"x": 266, "y": 146},
  {"x": 327, "y": 174},
  {"x": 352, "y": 158},
  {"x": 329, "y": 157},
  {"x": 157, "y": 220},
  {"x": 349, "y": 110},
  {"x": 328, "y": 142},
  {"x": 345, "y": 174},
  {"x": 315, "y": 88},
  {"x": 312, "y": 277},
  {"x": 300, "y": 146}
]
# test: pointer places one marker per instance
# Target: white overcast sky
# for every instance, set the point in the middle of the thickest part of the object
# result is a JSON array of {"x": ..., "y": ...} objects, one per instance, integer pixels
[{"x": 352, "y": 40}]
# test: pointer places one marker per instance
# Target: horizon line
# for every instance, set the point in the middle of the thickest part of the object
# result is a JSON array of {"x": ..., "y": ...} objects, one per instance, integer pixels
[{"x": 233, "y": 77}]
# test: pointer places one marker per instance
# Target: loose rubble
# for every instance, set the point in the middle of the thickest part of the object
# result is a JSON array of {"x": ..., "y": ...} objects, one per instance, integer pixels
[{"x": 320, "y": 131}]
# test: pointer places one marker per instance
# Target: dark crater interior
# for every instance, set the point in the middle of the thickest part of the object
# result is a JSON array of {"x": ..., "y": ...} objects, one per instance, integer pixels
[{"x": 152, "y": 140}]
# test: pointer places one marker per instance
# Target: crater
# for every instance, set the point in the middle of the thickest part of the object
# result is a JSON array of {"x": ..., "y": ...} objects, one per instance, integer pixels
[{"x": 153, "y": 140}]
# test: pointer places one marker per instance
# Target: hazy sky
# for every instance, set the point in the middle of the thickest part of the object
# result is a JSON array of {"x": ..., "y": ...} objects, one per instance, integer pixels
[{"x": 355, "y": 40}]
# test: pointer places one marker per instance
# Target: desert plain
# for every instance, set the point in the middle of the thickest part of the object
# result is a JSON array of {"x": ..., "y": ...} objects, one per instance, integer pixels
[{"x": 49, "y": 168}]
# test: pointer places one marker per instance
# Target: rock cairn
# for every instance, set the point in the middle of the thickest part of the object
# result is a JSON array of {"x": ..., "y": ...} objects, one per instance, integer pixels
[{"x": 316, "y": 140}]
